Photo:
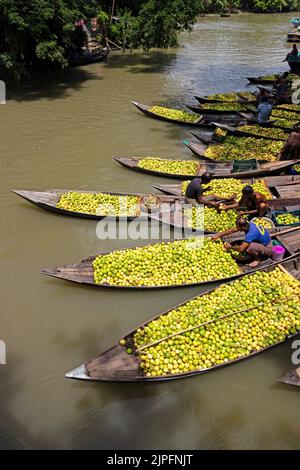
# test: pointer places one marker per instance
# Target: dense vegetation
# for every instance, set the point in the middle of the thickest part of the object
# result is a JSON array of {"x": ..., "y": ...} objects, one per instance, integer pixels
[
  {"x": 259, "y": 6},
  {"x": 42, "y": 32}
]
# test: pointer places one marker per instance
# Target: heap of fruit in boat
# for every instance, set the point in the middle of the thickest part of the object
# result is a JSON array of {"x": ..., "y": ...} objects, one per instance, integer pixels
[
  {"x": 210, "y": 220},
  {"x": 98, "y": 203},
  {"x": 264, "y": 131},
  {"x": 234, "y": 96},
  {"x": 263, "y": 222},
  {"x": 179, "y": 262},
  {"x": 225, "y": 188},
  {"x": 175, "y": 167},
  {"x": 290, "y": 107},
  {"x": 229, "y": 106},
  {"x": 287, "y": 219},
  {"x": 229, "y": 323},
  {"x": 175, "y": 114},
  {"x": 245, "y": 148}
]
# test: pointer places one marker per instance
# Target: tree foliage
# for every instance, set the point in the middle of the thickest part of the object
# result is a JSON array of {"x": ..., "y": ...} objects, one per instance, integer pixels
[{"x": 35, "y": 33}]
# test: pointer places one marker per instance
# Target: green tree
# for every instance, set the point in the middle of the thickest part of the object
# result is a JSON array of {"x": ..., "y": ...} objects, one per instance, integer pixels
[{"x": 38, "y": 32}]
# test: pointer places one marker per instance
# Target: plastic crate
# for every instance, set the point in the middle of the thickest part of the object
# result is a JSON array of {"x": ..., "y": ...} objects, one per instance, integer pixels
[
  {"x": 276, "y": 213},
  {"x": 244, "y": 165}
]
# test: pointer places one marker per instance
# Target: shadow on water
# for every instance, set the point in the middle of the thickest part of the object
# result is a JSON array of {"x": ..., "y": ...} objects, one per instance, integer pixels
[
  {"x": 50, "y": 86},
  {"x": 143, "y": 62}
]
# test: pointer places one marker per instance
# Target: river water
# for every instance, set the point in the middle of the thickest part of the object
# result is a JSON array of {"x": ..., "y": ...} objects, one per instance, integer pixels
[{"x": 62, "y": 133}]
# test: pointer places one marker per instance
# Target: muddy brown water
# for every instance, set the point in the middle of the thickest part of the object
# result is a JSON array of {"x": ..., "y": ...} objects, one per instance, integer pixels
[{"x": 62, "y": 133}]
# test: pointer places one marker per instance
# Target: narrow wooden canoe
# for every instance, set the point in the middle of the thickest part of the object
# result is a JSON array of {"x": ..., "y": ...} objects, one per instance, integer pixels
[
  {"x": 115, "y": 365},
  {"x": 212, "y": 114},
  {"x": 177, "y": 219},
  {"x": 239, "y": 133},
  {"x": 296, "y": 110},
  {"x": 241, "y": 99},
  {"x": 260, "y": 80},
  {"x": 49, "y": 199},
  {"x": 221, "y": 169},
  {"x": 203, "y": 122},
  {"x": 272, "y": 182},
  {"x": 83, "y": 272},
  {"x": 88, "y": 58},
  {"x": 291, "y": 378}
]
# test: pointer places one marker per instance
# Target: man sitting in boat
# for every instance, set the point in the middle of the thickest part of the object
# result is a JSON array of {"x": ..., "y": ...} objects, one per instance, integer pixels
[
  {"x": 253, "y": 204},
  {"x": 194, "y": 191},
  {"x": 291, "y": 148},
  {"x": 257, "y": 243},
  {"x": 293, "y": 53},
  {"x": 264, "y": 111}
]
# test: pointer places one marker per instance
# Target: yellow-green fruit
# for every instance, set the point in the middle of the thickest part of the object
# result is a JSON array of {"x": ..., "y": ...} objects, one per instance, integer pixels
[
  {"x": 264, "y": 131},
  {"x": 245, "y": 148},
  {"x": 173, "y": 167},
  {"x": 220, "y": 132},
  {"x": 273, "y": 299},
  {"x": 174, "y": 263},
  {"x": 262, "y": 222},
  {"x": 175, "y": 114},
  {"x": 225, "y": 188},
  {"x": 282, "y": 113},
  {"x": 230, "y": 106},
  {"x": 232, "y": 96},
  {"x": 98, "y": 204},
  {"x": 210, "y": 220},
  {"x": 285, "y": 123},
  {"x": 287, "y": 219},
  {"x": 290, "y": 107}
]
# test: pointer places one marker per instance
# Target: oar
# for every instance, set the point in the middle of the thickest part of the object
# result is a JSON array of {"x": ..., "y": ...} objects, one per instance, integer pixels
[
  {"x": 211, "y": 321},
  {"x": 285, "y": 231}
]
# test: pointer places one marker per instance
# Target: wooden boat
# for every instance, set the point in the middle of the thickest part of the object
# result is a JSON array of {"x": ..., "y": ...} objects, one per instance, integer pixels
[
  {"x": 49, "y": 199},
  {"x": 206, "y": 99},
  {"x": 225, "y": 15},
  {"x": 292, "y": 377},
  {"x": 83, "y": 272},
  {"x": 293, "y": 36},
  {"x": 88, "y": 57},
  {"x": 200, "y": 122},
  {"x": 213, "y": 114},
  {"x": 281, "y": 107},
  {"x": 199, "y": 150},
  {"x": 273, "y": 183},
  {"x": 239, "y": 133},
  {"x": 294, "y": 65},
  {"x": 261, "y": 80},
  {"x": 178, "y": 220},
  {"x": 115, "y": 365},
  {"x": 221, "y": 169}
]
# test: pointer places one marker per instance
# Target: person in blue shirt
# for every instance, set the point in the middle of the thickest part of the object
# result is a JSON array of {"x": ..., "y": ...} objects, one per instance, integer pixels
[
  {"x": 264, "y": 111},
  {"x": 257, "y": 243}
]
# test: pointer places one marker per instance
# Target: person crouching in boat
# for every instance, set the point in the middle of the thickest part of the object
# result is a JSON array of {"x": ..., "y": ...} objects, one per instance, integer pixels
[
  {"x": 195, "y": 192},
  {"x": 252, "y": 203},
  {"x": 257, "y": 243},
  {"x": 291, "y": 148},
  {"x": 264, "y": 111}
]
